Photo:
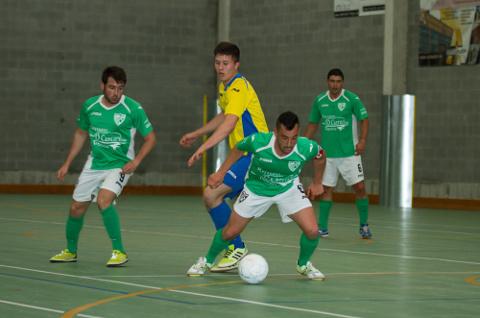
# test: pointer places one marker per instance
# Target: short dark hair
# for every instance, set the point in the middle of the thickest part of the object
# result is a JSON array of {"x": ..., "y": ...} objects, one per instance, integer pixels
[
  {"x": 228, "y": 48},
  {"x": 288, "y": 119},
  {"x": 115, "y": 72},
  {"x": 335, "y": 72}
]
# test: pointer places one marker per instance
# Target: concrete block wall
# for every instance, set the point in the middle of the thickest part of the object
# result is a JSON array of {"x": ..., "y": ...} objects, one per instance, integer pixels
[
  {"x": 288, "y": 47},
  {"x": 52, "y": 54},
  {"x": 448, "y": 124}
]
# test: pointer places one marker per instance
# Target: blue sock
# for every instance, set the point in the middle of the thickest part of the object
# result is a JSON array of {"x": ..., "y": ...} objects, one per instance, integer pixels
[{"x": 220, "y": 215}]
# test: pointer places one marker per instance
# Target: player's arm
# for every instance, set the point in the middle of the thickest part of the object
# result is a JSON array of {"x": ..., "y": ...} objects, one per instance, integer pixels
[
  {"x": 362, "y": 141},
  {"x": 189, "y": 138},
  {"x": 220, "y": 134},
  {"x": 216, "y": 179},
  {"x": 79, "y": 138},
  {"x": 316, "y": 188},
  {"x": 310, "y": 130},
  {"x": 149, "y": 142}
]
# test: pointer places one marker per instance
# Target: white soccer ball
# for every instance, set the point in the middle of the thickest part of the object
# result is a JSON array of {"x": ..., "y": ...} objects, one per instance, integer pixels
[{"x": 253, "y": 269}]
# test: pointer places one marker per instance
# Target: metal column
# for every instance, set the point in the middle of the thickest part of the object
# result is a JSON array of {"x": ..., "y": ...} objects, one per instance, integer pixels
[{"x": 398, "y": 138}]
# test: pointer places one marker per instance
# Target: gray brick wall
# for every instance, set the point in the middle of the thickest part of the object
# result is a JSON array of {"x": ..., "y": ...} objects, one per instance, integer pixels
[
  {"x": 51, "y": 57},
  {"x": 448, "y": 123},
  {"x": 289, "y": 46},
  {"x": 52, "y": 53}
]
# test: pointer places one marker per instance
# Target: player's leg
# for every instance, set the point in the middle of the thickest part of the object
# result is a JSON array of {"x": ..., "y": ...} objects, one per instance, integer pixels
[
  {"x": 109, "y": 191},
  {"x": 220, "y": 211},
  {"x": 330, "y": 178},
  {"x": 352, "y": 172},
  {"x": 73, "y": 227},
  {"x": 88, "y": 182},
  {"x": 295, "y": 205},
  {"x": 234, "y": 227},
  {"x": 247, "y": 206}
]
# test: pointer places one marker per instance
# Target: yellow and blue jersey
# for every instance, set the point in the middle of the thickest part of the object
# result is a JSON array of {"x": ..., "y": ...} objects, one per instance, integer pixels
[{"x": 239, "y": 98}]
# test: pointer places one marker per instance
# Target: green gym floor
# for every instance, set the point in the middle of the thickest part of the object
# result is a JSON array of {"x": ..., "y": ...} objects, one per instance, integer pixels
[{"x": 420, "y": 263}]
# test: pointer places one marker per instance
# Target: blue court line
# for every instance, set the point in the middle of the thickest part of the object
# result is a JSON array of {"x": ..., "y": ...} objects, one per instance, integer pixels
[{"x": 97, "y": 288}]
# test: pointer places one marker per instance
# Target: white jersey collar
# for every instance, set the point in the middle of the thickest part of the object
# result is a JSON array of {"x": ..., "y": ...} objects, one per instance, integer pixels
[{"x": 111, "y": 107}]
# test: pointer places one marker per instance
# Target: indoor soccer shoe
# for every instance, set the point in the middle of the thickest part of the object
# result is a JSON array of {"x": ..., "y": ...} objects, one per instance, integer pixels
[
  {"x": 365, "y": 232},
  {"x": 310, "y": 271},
  {"x": 323, "y": 232},
  {"x": 118, "y": 258},
  {"x": 230, "y": 259},
  {"x": 200, "y": 268},
  {"x": 64, "y": 256}
]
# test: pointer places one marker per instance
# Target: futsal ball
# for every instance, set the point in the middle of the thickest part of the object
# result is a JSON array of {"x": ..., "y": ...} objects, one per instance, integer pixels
[{"x": 253, "y": 269}]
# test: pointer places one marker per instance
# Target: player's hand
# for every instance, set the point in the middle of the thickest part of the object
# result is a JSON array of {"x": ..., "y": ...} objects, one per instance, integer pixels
[
  {"x": 196, "y": 156},
  {"x": 360, "y": 147},
  {"x": 62, "y": 172},
  {"x": 187, "y": 140},
  {"x": 130, "y": 167},
  {"x": 314, "y": 190},
  {"x": 214, "y": 180}
]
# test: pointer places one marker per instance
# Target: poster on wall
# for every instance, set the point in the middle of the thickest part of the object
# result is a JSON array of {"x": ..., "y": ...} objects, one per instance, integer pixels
[
  {"x": 356, "y": 8},
  {"x": 449, "y": 32}
]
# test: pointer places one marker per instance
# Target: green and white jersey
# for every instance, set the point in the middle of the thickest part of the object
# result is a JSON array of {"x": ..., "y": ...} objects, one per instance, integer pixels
[
  {"x": 338, "y": 119},
  {"x": 270, "y": 174},
  {"x": 112, "y": 130}
]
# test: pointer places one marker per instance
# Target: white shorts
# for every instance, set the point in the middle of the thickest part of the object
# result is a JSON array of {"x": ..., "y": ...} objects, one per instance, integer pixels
[
  {"x": 350, "y": 168},
  {"x": 249, "y": 204},
  {"x": 91, "y": 181}
]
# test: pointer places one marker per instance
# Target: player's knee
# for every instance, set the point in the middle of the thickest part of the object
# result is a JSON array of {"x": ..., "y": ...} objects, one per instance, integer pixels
[
  {"x": 210, "y": 198},
  {"x": 311, "y": 233},
  {"x": 360, "y": 188},
  {"x": 103, "y": 203},
  {"x": 77, "y": 209}
]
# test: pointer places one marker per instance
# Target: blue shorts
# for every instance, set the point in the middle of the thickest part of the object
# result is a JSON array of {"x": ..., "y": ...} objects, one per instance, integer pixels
[{"x": 235, "y": 177}]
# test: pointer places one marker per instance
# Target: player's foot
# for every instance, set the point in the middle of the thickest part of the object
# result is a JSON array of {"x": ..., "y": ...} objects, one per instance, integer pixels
[
  {"x": 200, "y": 268},
  {"x": 118, "y": 258},
  {"x": 310, "y": 271},
  {"x": 64, "y": 256},
  {"x": 230, "y": 259},
  {"x": 365, "y": 232},
  {"x": 323, "y": 232}
]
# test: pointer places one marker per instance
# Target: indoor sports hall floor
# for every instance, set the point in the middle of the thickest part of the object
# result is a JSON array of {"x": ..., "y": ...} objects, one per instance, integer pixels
[{"x": 420, "y": 263}]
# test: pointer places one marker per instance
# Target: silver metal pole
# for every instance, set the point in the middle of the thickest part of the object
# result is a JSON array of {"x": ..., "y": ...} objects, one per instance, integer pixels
[
  {"x": 221, "y": 150},
  {"x": 398, "y": 141}
]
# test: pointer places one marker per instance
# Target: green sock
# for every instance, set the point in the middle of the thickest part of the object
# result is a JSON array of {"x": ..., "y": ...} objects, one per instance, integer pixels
[
  {"x": 112, "y": 224},
  {"x": 307, "y": 247},
  {"x": 323, "y": 214},
  {"x": 218, "y": 245},
  {"x": 72, "y": 229},
  {"x": 362, "y": 207}
]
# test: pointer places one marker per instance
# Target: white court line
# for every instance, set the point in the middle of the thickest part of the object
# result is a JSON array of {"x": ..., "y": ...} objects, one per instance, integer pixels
[
  {"x": 330, "y": 274},
  {"x": 267, "y": 243},
  {"x": 2, "y": 301},
  {"x": 238, "y": 300}
]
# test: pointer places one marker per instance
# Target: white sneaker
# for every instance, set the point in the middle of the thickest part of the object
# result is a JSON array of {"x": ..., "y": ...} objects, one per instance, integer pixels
[
  {"x": 310, "y": 271},
  {"x": 200, "y": 268}
]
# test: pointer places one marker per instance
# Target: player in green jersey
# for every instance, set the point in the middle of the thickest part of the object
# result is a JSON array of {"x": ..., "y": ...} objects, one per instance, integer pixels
[
  {"x": 272, "y": 178},
  {"x": 337, "y": 111},
  {"x": 110, "y": 121}
]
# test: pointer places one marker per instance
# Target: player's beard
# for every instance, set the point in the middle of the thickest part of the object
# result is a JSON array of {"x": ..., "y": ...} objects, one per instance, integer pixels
[{"x": 111, "y": 101}]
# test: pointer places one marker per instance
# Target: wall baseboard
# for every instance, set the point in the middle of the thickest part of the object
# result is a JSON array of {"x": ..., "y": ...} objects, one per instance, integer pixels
[{"x": 432, "y": 203}]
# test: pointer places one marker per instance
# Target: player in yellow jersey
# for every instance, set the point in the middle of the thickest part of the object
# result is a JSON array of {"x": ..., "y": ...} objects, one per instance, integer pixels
[{"x": 241, "y": 116}]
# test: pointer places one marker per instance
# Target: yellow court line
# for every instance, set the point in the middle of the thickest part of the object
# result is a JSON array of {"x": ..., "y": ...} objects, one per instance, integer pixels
[
  {"x": 72, "y": 312},
  {"x": 474, "y": 280}
]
